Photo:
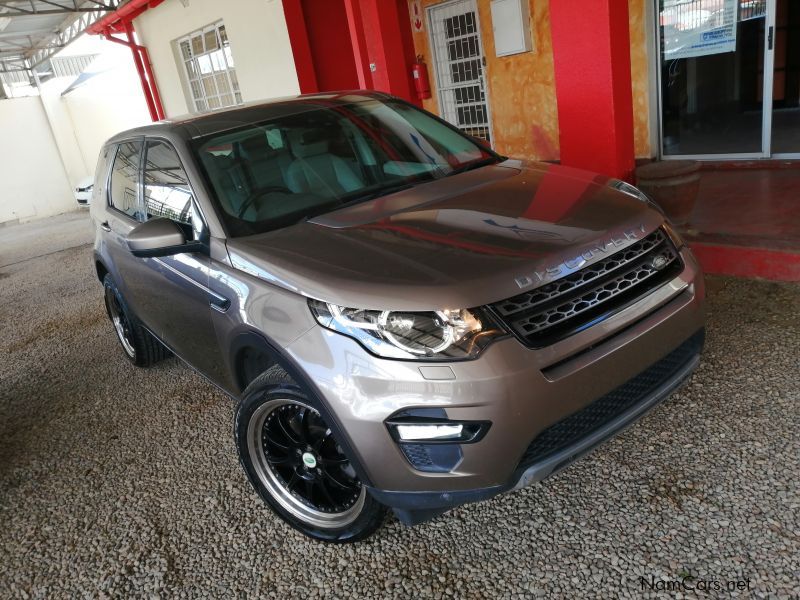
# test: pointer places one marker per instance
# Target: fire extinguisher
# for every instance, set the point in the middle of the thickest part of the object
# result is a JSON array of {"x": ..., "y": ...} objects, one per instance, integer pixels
[{"x": 420, "y": 72}]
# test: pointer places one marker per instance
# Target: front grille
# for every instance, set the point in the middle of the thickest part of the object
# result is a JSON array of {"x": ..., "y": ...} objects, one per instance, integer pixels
[
  {"x": 559, "y": 309},
  {"x": 607, "y": 408}
]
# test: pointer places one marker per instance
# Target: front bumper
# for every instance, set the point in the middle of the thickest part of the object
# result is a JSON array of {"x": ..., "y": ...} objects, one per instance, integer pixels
[
  {"x": 521, "y": 391},
  {"x": 640, "y": 394}
]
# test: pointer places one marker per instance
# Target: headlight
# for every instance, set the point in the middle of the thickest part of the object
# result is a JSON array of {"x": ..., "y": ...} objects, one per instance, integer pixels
[
  {"x": 632, "y": 190},
  {"x": 433, "y": 335}
]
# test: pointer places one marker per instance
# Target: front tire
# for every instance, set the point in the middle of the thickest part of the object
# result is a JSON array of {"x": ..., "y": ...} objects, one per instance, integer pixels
[
  {"x": 138, "y": 344},
  {"x": 295, "y": 463}
]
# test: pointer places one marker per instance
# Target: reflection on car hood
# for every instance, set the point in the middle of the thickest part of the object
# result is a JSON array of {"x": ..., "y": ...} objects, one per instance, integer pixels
[{"x": 458, "y": 242}]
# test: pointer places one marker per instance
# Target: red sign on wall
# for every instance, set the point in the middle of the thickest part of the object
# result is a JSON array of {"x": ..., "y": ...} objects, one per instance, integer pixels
[{"x": 417, "y": 24}]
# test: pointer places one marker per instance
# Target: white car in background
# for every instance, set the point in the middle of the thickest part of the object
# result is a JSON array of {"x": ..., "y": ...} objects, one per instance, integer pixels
[{"x": 83, "y": 193}]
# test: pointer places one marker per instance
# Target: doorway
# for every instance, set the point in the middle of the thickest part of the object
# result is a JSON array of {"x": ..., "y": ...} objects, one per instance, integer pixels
[
  {"x": 459, "y": 66},
  {"x": 729, "y": 78}
]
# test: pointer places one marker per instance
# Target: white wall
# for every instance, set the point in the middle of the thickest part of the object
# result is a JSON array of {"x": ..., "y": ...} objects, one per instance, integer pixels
[
  {"x": 88, "y": 115},
  {"x": 259, "y": 44},
  {"x": 107, "y": 104},
  {"x": 33, "y": 182}
]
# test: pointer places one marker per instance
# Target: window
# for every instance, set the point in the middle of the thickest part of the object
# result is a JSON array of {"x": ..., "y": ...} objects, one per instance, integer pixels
[
  {"x": 166, "y": 187},
  {"x": 125, "y": 180},
  {"x": 208, "y": 67},
  {"x": 275, "y": 173},
  {"x": 99, "y": 189}
]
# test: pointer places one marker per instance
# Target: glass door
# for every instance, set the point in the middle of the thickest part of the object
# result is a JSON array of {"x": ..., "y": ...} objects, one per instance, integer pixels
[
  {"x": 713, "y": 87},
  {"x": 784, "y": 37}
]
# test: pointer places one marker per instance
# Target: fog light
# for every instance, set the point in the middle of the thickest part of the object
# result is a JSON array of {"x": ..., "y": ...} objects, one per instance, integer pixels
[
  {"x": 422, "y": 430},
  {"x": 416, "y": 433}
]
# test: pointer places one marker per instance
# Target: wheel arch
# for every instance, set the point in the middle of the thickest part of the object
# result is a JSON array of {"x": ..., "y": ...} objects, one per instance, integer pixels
[
  {"x": 100, "y": 269},
  {"x": 255, "y": 342}
]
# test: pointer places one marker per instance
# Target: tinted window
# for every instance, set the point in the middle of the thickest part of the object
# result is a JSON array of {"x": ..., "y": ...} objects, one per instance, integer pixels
[
  {"x": 272, "y": 174},
  {"x": 166, "y": 187},
  {"x": 125, "y": 180}
]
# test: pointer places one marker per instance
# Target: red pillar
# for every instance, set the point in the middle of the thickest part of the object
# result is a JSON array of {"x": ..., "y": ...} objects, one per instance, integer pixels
[
  {"x": 591, "y": 53},
  {"x": 387, "y": 31},
  {"x": 358, "y": 40},
  {"x": 301, "y": 47}
]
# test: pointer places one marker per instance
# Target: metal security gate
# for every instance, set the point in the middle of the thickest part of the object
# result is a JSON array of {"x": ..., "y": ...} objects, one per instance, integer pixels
[{"x": 459, "y": 66}]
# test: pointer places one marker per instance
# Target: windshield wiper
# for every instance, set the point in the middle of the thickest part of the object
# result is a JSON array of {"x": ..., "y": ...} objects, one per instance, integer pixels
[
  {"x": 383, "y": 191},
  {"x": 483, "y": 162}
]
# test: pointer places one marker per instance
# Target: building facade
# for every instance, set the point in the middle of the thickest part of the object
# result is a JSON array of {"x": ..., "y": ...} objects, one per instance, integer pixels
[{"x": 594, "y": 84}]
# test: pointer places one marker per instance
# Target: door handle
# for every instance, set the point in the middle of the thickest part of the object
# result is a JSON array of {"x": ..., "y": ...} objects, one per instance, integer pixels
[
  {"x": 105, "y": 226},
  {"x": 219, "y": 303},
  {"x": 769, "y": 38}
]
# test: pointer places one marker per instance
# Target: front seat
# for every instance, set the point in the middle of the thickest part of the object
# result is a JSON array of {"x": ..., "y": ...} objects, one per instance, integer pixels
[{"x": 316, "y": 171}]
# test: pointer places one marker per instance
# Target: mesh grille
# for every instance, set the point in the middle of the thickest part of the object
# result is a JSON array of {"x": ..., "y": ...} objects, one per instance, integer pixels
[
  {"x": 417, "y": 455},
  {"x": 582, "y": 423},
  {"x": 561, "y": 308}
]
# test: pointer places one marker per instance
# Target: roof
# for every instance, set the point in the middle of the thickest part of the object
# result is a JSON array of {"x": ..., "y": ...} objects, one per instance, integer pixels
[
  {"x": 194, "y": 126},
  {"x": 31, "y": 31}
]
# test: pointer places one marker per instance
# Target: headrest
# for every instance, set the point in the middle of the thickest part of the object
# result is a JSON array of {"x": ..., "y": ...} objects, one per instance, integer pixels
[
  {"x": 256, "y": 146},
  {"x": 305, "y": 144}
]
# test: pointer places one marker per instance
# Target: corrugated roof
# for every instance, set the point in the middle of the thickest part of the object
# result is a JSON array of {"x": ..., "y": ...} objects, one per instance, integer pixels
[{"x": 31, "y": 31}]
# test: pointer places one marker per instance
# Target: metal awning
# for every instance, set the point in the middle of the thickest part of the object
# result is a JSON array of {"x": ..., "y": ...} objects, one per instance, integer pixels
[{"x": 31, "y": 31}]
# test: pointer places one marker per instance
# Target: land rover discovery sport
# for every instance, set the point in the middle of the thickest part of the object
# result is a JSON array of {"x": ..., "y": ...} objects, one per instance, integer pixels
[{"x": 406, "y": 318}]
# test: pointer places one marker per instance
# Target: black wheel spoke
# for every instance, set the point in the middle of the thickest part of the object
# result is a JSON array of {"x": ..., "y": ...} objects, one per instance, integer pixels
[
  {"x": 271, "y": 440},
  {"x": 325, "y": 492},
  {"x": 286, "y": 430},
  {"x": 334, "y": 462},
  {"x": 344, "y": 486},
  {"x": 274, "y": 460},
  {"x": 292, "y": 481},
  {"x": 309, "y": 490},
  {"x": 318, "y": 444},
  {"x": 305, "y": 433}
]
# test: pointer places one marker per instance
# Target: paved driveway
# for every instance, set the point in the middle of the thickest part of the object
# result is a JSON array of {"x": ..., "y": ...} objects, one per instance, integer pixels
[{"x": 117, "y": 481}]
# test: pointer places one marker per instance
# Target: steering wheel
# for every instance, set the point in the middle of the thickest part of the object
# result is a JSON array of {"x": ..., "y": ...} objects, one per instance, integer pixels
[{"x": 258, "y": 193}]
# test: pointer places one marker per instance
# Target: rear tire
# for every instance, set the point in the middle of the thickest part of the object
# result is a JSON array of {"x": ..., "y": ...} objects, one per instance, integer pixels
[
  {"x": 296, "y": 465},
  {"x": 138, "y": 344}
]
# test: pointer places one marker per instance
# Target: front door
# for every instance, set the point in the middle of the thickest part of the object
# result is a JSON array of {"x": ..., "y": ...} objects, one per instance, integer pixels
[
  {"x": 169, "y": 295},
  {"x": 179, "y": 300},
  {"x": 459, "y": 65}
]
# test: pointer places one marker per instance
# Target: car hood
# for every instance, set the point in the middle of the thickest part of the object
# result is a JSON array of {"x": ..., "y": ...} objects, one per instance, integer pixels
[{"x": 457, "y": 242}]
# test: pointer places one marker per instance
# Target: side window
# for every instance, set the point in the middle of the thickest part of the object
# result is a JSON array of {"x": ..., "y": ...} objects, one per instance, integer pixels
[
  {"x": 99, "y": 187},
  {"x": 166, "y": 187},
  {"x": 125, "y": 180}
]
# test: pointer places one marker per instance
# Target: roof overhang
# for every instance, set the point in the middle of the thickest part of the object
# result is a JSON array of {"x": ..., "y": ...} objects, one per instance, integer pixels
[{"x": 32, "y": 31}]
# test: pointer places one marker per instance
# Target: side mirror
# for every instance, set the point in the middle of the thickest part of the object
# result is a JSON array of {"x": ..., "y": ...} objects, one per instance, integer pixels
[{"x": 159, "y": 237}]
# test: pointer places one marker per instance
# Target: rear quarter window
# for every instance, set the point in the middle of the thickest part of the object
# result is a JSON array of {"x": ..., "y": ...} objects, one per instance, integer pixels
[
  {"x": 124, "y": 195},
  {"x": 101, "y": 174}
]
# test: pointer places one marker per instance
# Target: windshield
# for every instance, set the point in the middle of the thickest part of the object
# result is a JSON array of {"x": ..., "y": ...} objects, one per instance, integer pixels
[{"x": 272, "y": 174}]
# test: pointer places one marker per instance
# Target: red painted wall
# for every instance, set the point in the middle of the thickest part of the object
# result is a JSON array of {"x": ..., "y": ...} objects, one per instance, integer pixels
[
  {"x": 330, "y": 47},
  {"x": 591, "y": 55},
  {"x": 329, "y": 39}
]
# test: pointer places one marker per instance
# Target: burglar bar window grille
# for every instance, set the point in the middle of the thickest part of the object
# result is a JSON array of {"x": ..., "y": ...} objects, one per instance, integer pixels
[
  {"x": 208, "y": 68},
  {"x": 458, "y": 59}
]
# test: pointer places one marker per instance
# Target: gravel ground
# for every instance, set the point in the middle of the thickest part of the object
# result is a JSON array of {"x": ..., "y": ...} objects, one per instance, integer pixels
[{"x": 118, "y": 482}]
